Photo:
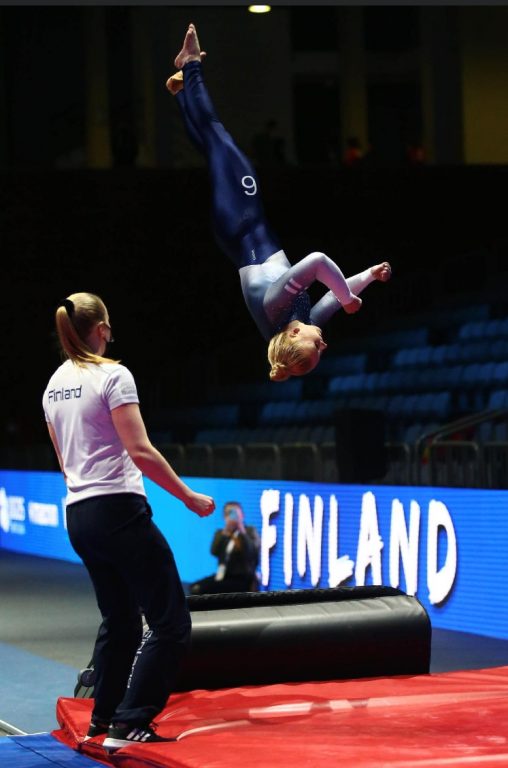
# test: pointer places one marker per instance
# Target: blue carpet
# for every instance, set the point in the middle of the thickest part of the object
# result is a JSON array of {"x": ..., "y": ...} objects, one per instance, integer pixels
[
  {"x": 40, "y": 751},
  {"x": 29, "y": 688}
]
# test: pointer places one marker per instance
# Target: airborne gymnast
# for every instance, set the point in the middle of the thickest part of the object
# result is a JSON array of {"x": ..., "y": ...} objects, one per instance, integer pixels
[{"x": 275, "y": 291}]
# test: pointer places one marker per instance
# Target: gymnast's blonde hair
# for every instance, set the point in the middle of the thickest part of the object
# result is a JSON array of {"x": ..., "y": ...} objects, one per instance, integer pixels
[
  {"x": 288, "y": 357},
  {"x": 75, "y": 319}
]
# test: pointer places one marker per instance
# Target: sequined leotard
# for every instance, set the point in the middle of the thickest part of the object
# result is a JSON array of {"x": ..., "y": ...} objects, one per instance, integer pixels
[{"x": 275, "y": 292}]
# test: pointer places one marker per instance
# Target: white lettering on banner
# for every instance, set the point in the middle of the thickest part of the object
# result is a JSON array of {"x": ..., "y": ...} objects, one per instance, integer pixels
[
  {"x": 269, "y": 506},
  {"x": 404, "y": 546},
  {"x": 288, "y": 539},
  {"x": 43, "y": 514},
  {"x": 370, "y": 542},
  {"x": 64, "y": 513},
  {"x": 403, "y": 549},
  {"x": 5, "y": 520},
  {"x": 16, "y": 508},
  {"x": 310, "y": 534},
  {"x": 440, "y": 581},
  {"x": 339, "y": 568},
  {"x": 12, "y": 513}
]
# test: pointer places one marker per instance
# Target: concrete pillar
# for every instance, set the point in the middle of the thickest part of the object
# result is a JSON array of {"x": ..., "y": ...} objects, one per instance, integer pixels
[
  {"x": 144, "y": 85},
  {"x": 441, "y": 85},
  {"x": 98, "y": 144},
  {"x": 484, "y": 44},
  {"x": 353, "y": 78}
]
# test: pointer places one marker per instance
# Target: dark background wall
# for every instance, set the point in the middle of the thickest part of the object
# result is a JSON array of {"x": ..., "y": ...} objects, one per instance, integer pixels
[{"x": 100, "y": 189}]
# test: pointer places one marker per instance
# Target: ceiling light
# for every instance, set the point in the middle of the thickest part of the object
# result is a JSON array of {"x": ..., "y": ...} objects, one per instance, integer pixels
[{"x": 259, "y": 8}]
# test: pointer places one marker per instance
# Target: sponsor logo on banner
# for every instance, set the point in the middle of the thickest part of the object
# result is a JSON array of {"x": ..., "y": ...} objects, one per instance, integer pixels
[
  {"x": 12, "y": 513},
  {"x": 43, "y": 514}
]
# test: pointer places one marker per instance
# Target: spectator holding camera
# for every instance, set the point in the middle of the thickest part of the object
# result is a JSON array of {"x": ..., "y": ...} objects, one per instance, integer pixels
[{"x": 236, "y": 547}]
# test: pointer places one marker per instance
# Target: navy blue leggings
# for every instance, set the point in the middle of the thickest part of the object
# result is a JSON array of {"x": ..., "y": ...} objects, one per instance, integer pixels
[
  {"x": 239, "y": 222},
  {"x": 131, "y": 566}
]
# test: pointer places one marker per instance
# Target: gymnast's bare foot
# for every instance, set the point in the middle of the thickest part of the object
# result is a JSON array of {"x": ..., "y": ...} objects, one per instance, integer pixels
[
  {"x": 353, "y": 305},
  {"x": 190, "y": 49},
  {"x": 382, "y": 272},
  {"x": 175, "y": 83}
]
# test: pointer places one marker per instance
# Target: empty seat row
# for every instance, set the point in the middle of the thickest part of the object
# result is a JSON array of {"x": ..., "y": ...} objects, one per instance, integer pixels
[
  {"x": 298, "y": 412},
  {"x": 332, "y": 365},
  {"x": 435, "y": 405},
  {"x": 276, "y": 434},
  {"x": 450, "y": 354},
  {"x": 410, "y": 337},
  {"x": 485, "y": 375},
  {"x": 197, "y": 416},
  {"x": 483, "y": 329},
  {"x": 498, "y": 399},
  {"x": 490, "y": 431},
  {"x": 258, "y": 392},
  {"x": 427, "y": 404}
]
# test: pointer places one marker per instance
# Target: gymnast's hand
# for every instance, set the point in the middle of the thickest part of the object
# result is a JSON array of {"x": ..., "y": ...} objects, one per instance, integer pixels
[
  {"x": 382, "y": 272},
  {"x": 201, "y": 504}
]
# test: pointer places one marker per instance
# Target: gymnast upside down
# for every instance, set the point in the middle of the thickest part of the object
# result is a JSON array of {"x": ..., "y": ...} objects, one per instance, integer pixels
[{"x": 275, "y": 291}]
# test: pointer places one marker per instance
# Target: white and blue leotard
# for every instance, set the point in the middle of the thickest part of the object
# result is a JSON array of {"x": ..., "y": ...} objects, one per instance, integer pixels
[{"x": 275, "y": 291}]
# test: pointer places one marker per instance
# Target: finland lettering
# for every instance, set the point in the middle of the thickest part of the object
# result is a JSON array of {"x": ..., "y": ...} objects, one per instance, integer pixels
[{"x": 55, "y": 395}]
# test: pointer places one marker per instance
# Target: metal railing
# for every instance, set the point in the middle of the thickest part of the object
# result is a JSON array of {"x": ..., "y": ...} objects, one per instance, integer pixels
[
  {"x": 460, "y": 462},
  {"x": 433, "y": 459}
]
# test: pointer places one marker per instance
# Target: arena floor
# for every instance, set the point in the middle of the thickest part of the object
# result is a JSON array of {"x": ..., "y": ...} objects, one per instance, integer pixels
[{"x": 48, "y": 624}]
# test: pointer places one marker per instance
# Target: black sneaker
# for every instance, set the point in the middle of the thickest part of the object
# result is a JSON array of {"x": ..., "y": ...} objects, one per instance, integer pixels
[
  {"x": 122, "y": 735},
  {"x": 97, "y": 728}
]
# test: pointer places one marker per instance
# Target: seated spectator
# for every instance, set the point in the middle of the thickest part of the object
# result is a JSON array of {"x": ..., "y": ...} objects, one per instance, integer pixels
[{"x": 236, "y": 546}]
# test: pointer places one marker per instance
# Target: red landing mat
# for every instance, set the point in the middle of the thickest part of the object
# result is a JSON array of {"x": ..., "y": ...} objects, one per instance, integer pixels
[{"x": 450, "y": 719}]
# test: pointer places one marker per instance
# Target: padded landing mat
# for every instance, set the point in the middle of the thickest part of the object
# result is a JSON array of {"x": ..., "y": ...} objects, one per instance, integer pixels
[
  {"x": 40, "y": 751},
  {"x": 426, "y": 721}
]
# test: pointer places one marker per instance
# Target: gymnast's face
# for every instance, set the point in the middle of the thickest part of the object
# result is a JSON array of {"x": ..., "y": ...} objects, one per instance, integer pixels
[
  {"x": 310, "y": 342},
  {"x": 308, "y": 335}
]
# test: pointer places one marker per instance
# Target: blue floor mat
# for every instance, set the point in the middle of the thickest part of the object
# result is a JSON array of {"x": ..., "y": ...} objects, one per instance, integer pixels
[
  {"x": 29, "y": 688},
  {"x": 40, "y": 750}
]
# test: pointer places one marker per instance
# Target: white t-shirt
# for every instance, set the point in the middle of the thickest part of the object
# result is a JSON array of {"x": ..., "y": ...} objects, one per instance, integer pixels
[{"x": 77, "y": 403}]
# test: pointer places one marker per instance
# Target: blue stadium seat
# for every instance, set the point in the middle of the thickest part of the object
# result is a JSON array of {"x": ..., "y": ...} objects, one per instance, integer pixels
[
  {"x": 221, "y": 415},
  {"x": 500, "y": 374},
  {"x": 402, "y": 358},
  {"x": 302, "y": 412},
  {"x": 440, "y": 354},
  {"x": 498, "y": 399},
  {"x": 371, "y": 382},
  {"x": 343, "y": 364},
  {"x": 336, "y": 385},
  {"x": 493, "y": 328},
  {"x": 500, "y": 432},
  {"x": 212, "y": 436},
  {"x": 347, "y": 384},
  {"x": 478, "y": 375},
  {"x": 499, "y": 349},
  {"x": 411, "y": 337},
  {"x": 472, "y": 330}
]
